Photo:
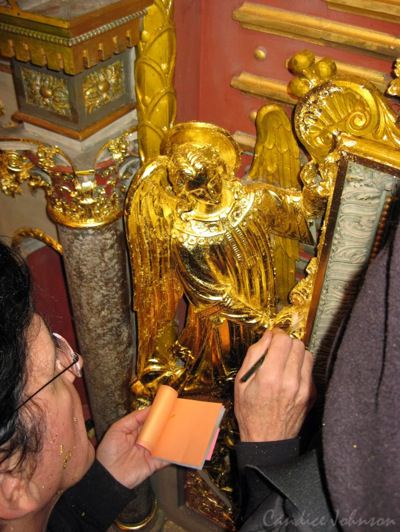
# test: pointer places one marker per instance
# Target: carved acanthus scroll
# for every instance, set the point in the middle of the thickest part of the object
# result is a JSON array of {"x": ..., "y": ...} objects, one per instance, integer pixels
[{"x": 334, "y": 104}]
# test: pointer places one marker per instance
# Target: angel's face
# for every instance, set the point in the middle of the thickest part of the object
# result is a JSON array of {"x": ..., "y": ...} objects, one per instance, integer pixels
[
  {"x": 197, "y": 174},
  {"x": 204, "y": 186}
]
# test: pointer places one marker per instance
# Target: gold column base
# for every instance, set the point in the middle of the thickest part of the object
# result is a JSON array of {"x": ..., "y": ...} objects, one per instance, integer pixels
[{"x": 142, "y": 524}]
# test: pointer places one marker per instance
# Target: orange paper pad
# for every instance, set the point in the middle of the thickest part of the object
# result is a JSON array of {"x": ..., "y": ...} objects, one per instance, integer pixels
[{"x": 181, "y": 431}]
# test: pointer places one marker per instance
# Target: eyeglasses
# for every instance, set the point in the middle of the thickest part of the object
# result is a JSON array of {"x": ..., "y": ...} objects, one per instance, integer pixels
[{"x": 66, "y": 358}]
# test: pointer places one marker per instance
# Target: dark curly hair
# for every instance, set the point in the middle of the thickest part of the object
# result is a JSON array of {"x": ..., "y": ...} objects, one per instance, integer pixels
[{"x": 19, "y": 434}]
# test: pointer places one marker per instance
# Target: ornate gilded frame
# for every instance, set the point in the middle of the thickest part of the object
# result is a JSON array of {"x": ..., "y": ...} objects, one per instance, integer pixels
[{"x": 357, "y": 220}]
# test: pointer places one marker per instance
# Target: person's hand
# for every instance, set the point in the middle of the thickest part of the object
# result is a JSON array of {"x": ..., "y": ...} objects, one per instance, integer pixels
[
  {"x": 118, "y": 452},
  {"x": 273, "y": 403}
]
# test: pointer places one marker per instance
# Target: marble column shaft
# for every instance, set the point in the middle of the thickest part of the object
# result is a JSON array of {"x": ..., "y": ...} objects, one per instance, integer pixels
[{"x": 96, "y": 270}]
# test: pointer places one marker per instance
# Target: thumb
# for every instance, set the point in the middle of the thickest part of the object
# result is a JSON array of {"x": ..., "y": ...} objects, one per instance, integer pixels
[{"x": 132, "y": 421}]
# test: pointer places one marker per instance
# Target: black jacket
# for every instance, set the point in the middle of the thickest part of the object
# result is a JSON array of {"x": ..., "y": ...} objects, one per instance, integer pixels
[
  {"x": 280, "y": 490},
  {"x": 91, "y": 505}
]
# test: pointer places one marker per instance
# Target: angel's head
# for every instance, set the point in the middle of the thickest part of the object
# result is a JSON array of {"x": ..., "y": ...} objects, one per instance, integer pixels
[{"x": 196, "y": 173}]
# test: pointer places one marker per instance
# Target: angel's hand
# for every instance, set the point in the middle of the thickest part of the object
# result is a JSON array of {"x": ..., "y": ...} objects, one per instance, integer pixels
[{"x": 316, "y": 189}]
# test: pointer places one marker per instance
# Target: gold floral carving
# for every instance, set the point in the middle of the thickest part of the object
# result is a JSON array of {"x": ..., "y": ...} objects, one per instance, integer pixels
[
  {"x": 394, "y": 86},
  {"x": 87, "y": 198},
  {"x": 154, "y": 71},
  {"x": 103, "y": 86},
  {"x": 46, "y": 91},
  {"x": 15, "y": 168}
]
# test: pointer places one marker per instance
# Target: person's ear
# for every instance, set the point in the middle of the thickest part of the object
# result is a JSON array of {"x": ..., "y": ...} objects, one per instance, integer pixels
[{"x": 16, "y": 496}]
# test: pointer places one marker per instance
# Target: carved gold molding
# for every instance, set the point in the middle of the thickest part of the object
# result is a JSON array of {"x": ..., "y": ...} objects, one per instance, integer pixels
[
  {"x": 318, "y": 30},
  {"x": 154, "y": 72},
  {"x": 75, "y": 25},
  {"x": 379, "y": 9},
  {"x": 378, "y": 152},
  {"x": 261, "y": 86},
  {"x": 70, "y": 55}
]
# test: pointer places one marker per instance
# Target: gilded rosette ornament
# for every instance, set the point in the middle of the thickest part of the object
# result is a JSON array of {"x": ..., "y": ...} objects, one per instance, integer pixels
[
  {"x": 154, "y": 72},
  {"x": 75, "y": 198},
  {"x": 46, "y": 91},
  {"x": 103, "y": 86}
]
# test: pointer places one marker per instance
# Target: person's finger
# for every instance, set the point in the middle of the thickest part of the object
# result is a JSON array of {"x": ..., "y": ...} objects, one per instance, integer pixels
[
  {"x": 142, "y": 414},
  {"x": 254, "y": 353},
  {"x": 307, "y": 390},
  {"x": 278, "y": 352},
  {"x": 294, "y": 365}
]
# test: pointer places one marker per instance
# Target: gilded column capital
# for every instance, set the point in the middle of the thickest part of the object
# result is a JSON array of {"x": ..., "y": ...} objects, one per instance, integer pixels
[{"x": 75, "y": 198}]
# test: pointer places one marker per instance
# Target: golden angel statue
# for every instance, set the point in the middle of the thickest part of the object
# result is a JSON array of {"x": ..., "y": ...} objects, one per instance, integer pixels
[{"x": 198, "y": 233}]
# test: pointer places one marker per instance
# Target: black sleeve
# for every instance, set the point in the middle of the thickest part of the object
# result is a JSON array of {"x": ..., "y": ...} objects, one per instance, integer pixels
[
  {"x": 253, "y": 488},
  {"x": 283, "y": 491},
  {"x": 91, "y": 505}
]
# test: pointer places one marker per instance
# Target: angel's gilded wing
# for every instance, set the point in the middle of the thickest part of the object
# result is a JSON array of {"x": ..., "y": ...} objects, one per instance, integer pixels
[
  {"x": 277, "y": 162},
  {"x": 157, "y": 289},
  {"x": 276, "y": 156}
]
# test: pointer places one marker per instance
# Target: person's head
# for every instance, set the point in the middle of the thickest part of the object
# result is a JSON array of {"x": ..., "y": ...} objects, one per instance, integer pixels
[
  {"x": 196, "y": 173},
  {"x": 43, "y": 444}
]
